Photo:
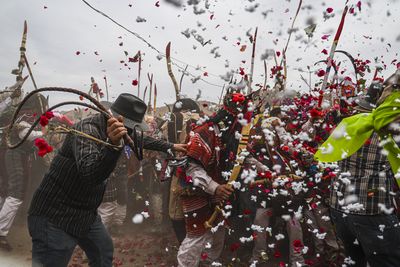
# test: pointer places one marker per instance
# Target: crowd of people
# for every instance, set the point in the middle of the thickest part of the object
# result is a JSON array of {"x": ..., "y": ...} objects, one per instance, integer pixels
[{"x": 239, "y": 185}]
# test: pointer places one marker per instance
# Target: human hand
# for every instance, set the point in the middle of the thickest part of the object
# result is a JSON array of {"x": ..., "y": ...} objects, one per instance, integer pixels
[
  {"x": 116, "y": 130},
  {"x": 224, "y": 191},
  {"x": 180, "y": 148}
]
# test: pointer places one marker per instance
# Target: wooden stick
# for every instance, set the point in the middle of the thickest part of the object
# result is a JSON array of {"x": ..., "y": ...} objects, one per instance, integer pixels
[
  {"x": 252, "y": 62},
  {"x": 170, "y": 73},
  {"x": 333, "y": 48},
  {"x": 265, "y": 74},
  {"x": 105, "y": 81},
  {"x": 149, "y": 109},
  {"x": 155, "y": 99},
  {"x": 180, "y": 82},
  {"x": 139, "y": 71}
]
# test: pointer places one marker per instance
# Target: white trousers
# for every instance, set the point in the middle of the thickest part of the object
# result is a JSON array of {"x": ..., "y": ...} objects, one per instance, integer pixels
[
  {"x": 112, "y": 213},
  {"x": 7, "y": 214},
  {"x": 211, "y": 244}
]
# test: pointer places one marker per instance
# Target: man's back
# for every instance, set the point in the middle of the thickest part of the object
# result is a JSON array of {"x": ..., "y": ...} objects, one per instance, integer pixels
[
  {"x": 73, "y": 187},
  {"x": 365, "y": 181}
]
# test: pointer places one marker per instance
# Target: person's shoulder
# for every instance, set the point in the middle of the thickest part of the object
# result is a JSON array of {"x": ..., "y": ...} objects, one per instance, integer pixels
[{"x": 96, "y": 120}]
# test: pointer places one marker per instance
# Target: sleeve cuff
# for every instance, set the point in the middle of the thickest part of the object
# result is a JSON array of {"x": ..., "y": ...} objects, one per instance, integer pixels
[{"x": 212, "y": 186}]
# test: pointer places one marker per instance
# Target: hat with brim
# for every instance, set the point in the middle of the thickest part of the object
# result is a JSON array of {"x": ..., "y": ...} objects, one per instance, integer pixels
[
  {"x": 363, "y": 104},
  {"x": 132, "y": 109},
  {"x": 369, "y": 100}
]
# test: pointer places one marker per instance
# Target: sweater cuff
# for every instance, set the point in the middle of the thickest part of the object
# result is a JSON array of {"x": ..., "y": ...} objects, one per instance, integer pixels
[{"x": 212, "y": 186}]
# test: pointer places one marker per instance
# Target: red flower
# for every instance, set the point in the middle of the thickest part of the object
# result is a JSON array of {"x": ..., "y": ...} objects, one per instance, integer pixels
[
  {"x": 277, "y": 254},
  {"x": 44, "y": 121},
  {"x": 324, "y": 51},
  {"x": 359, "y": 5},
  {"x": 321, "y": 73},
  {"x": 315, "y": 113},
  {"x": 235, "y": 246},
  {"x": 188, "y": 179},
  {"x": 43, "y": 147},
  {"x": 325, "y": 37},
  {"x": 238, "y": 97},
  {"x": 247, "y": 212},
  {"x": 49, "y": 114},
  {"x": 278, "y": 53},
  {"x": 204, "y": 256},
  {"x": 135, "y": 82},
  {"x": 265, "y": 175},
  {"x": 297, "y": 245},
  {"x": 329, "y": 10}
]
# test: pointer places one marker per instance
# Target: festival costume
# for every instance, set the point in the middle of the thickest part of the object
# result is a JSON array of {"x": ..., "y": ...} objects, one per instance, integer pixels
[{"x": 198, "y": 201}]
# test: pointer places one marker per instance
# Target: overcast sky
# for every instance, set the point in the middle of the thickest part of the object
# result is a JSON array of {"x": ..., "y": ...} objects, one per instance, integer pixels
[{"x": 58, "y": 29}]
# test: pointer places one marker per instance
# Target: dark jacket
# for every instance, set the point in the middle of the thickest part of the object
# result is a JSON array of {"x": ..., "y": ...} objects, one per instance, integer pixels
[{"x": 73, "y": 187}]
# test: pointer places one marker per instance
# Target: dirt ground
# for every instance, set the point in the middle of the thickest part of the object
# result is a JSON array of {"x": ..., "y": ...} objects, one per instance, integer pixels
[{"x": 139, "y": 245}]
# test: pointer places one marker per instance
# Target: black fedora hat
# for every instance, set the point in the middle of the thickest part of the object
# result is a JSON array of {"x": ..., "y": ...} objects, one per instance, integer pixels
[
  {"x": 393, "y": 80},
  {"x": 369, "y": 100},
  {"x": 132, "y": 109}
]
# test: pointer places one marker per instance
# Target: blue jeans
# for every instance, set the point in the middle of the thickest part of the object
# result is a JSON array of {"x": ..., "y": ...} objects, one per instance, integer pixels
[
  {"x": 52, "y": 247},
  {"x": 369, "y": 238}
]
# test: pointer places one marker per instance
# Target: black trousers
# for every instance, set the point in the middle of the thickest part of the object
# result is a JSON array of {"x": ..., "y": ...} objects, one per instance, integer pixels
[
  {"x": 369, "y": 238},
  {"x": 52, "y": 247}
]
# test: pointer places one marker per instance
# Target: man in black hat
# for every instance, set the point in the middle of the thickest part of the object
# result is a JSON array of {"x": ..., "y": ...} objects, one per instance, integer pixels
[{"x": 63, "y": 212}]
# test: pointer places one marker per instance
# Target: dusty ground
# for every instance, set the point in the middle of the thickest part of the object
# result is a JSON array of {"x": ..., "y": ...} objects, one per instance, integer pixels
[{"x": 139, "y": 245}]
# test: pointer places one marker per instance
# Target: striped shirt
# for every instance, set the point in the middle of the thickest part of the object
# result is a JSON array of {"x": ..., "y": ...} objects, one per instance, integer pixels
[
  {"x": 74, "y": 185},
  {"x": 364, "y": 183}
]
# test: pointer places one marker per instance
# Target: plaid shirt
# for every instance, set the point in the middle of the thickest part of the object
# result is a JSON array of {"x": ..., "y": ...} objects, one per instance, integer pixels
[{"x": 364, "y": 183}]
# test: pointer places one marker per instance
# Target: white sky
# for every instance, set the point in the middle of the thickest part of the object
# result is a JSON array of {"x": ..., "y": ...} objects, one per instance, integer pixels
[{"x": 55, "y": 34}]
